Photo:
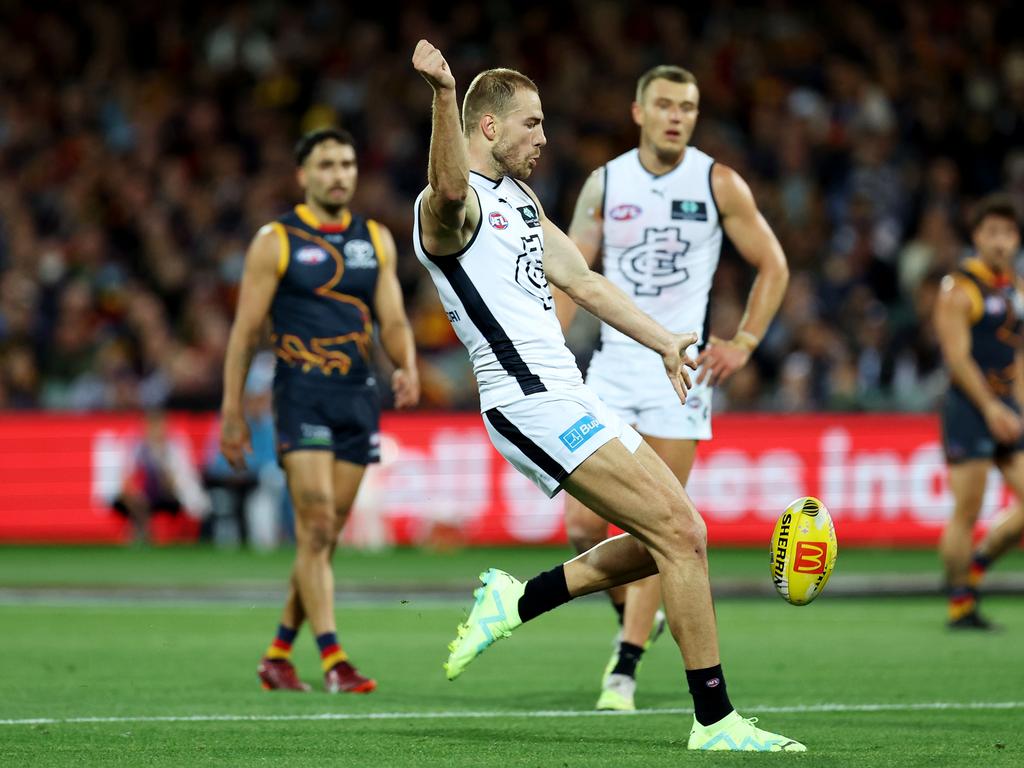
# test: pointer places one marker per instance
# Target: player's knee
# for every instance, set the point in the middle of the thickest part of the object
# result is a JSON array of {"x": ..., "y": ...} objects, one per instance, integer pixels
[
  {"x": 314, "y": 522},
  {"x": 967, "y": 507},
  {"x": 317, "y": 534},
  {"x": 681, "y": 532}
]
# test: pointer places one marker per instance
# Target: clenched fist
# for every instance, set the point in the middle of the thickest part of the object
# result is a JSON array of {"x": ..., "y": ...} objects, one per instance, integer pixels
[{"x": 429, "y": 62}]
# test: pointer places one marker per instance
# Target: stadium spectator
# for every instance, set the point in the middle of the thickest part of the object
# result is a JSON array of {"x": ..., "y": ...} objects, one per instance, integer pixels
[{"x": 140, "y": 147}]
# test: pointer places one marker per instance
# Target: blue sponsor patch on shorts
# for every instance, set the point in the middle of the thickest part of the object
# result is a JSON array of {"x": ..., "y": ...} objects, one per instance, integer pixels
[{"x": 580, "y": 432}]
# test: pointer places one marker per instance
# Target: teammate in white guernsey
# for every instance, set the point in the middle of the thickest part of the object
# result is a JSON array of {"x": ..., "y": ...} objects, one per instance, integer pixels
[
  {"x": 655, "y": 216},
  {"x": 491, "y": 252}
]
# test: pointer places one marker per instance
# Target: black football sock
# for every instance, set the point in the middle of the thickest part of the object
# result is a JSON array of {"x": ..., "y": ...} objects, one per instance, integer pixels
[
  {"x": 629, "y": 657},
  {"x": 543, "y": 592},
  {"x": 710, "y": 701}
]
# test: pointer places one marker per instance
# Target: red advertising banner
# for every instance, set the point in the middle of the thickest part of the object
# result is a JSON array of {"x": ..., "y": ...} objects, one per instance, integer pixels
[{"x": 440, "y": 480}]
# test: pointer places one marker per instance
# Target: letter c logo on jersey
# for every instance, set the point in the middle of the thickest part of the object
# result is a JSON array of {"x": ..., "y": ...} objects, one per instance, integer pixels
[
  {"x": 497, "y": 221},
  {"x": 657, "y": 262}
]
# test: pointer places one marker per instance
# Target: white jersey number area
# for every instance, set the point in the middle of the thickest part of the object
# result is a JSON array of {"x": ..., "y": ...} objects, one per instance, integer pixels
[{"x": 498, "y": 299}]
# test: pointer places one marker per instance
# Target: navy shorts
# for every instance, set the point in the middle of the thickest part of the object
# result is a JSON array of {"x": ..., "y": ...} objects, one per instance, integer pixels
[
  {"x": 345, "y": 420},
  {"x": 966, "y": 436}
]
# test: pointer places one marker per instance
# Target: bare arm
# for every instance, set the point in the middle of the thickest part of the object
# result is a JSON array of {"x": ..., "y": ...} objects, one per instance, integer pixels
[
  {"x": 586, "y": 231},
  {"x": 449, "y": 214},
  {"x": 567, "y": 269},
  {"x": 953, "y": 326},
  {"x": 395, "y": 332},
  {"x": 259, "y": 282},
  {"x": 757, "y": 244}
]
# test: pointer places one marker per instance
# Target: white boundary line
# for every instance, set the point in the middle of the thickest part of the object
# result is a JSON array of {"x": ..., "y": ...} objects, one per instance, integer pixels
[{"x": 540, "y": 713}]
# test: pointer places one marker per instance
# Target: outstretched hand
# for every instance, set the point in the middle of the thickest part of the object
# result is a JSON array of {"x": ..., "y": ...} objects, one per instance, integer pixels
[
  {"x": 677, "y": 361},
  {"x": 428, "y": 61}
]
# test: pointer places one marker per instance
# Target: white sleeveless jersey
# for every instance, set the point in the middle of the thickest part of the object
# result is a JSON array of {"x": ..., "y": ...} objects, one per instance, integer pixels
[
  {"x": 661, "y": 240},
  {"x": 498, "y": 300}
]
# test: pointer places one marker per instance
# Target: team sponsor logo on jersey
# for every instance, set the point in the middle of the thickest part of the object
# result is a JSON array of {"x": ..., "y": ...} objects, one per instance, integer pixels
[
  {"x": 529, "y": 214},
  {"x": 311, "y": 254},
  {"x": 689, "y": 210},
  {"x": 580, "y": 432},
  {"x": 359, "y": 255},
  {"x": 656, "y": 263},
  {"x": 625, "y": 212},
  {"x": 315, "y": 434},
  {"x": 530, "y": 271},
  {"x": 497, "y": 220}
]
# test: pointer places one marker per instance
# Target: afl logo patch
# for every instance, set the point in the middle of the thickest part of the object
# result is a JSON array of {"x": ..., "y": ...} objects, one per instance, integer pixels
[
  {"x": 497, "y": 221},
  {"x": 359, "y": 254},
  {"x": 995, "y": 305},
  {"x": 310, "y": 254},
  {"x": 625, "y": 212}
]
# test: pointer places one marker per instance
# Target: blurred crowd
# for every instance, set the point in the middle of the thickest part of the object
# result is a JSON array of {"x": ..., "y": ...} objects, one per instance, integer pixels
[{"x": 142, "y": 145}]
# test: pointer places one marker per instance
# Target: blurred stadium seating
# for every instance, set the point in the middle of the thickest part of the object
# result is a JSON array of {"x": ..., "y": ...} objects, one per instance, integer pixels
[{"x": 142, "y": 147}]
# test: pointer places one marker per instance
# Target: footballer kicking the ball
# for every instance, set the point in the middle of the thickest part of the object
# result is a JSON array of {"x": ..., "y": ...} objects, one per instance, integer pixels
[{"x": 484, "y": 238}]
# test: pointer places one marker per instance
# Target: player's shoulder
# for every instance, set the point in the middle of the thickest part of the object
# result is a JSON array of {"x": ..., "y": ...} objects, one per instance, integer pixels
[
  {"x": 958, "y": 291},
  {"x": 630, "y": 160},
  {"x": 526, "y": 190}
]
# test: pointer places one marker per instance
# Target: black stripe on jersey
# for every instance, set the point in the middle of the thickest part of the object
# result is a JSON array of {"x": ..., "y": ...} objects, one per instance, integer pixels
[
  {"x": 604, "y": 191},
  {"x": 711, "y": 191},
  {"x": 705, "y": 334},
  {"x": 495, "y": 182},
  {"x": 530, "y": 449},
  {"x": 479, "y": 314}
]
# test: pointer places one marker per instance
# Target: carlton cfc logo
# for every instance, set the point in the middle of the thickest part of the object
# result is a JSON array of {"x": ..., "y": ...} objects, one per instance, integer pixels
[{"x": 497, "y": 221}]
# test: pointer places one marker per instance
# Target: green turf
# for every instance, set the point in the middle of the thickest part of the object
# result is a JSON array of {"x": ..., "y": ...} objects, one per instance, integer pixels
[
  {"x": 203, "y": 566},
  {"x": 73, "y": 660}
]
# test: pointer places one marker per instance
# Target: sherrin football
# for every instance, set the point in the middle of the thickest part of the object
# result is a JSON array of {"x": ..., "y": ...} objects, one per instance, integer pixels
[{"x": 803, "y": 551}]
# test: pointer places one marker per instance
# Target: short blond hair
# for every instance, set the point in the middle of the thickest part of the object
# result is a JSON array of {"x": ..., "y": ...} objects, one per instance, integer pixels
[
  {"x": 492, "y": 91},
  {"x": 663, "y": 72}
]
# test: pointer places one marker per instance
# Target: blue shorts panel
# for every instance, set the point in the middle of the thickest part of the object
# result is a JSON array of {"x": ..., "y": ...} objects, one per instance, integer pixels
[
  {"x": 345, "y": 420},
  {"x": 966, "y": 436}
]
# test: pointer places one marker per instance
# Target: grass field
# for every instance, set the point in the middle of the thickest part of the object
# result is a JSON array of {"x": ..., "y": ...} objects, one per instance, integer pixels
[{"x": 167, "y": 680}]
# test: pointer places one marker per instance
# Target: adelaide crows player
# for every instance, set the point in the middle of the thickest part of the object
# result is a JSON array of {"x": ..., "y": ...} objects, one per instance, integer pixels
[
  {"x": 324, "y": 275},
  {"x": 979, "y": 317}
]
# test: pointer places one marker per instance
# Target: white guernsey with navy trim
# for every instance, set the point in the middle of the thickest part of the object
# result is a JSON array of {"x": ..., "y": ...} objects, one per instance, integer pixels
[
  {"x": 537, "y": 411},
  {"x": 498, "y": 300},
  {"x": 661, "y": 240}
]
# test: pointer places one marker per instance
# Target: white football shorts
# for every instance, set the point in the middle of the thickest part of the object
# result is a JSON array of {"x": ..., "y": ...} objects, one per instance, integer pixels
[
  {"x": 631, "y": 381},
  {"x": 549, "y": 434}
]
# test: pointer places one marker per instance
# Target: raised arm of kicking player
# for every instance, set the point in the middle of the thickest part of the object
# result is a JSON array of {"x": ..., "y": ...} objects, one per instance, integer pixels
[{"x": 449, "y": 213}]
